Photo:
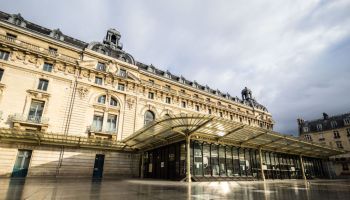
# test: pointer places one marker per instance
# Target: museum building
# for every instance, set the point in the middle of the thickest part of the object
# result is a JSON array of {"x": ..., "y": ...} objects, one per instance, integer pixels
[{"x": 71, "y": 108}]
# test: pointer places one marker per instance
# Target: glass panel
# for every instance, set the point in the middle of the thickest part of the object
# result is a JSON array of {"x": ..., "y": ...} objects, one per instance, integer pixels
[
  {"x": 214, "y": 160},
  {"x": 198, "y": 161},
  {"x": 97, "y": 123},
  {"x": 43, "y": 84},
  {"x": 36, "y": 111},
  {"x": 206, "y": 159},
  {"x": 235, "y": 161},
  {"x": 112, "y": 123},
  {"x": 229, "y": 164},
  {"x": 1, "y": 73},
  {"x": 222, "y": 161},
  {"x": 113, "y": 102},
  {"x": 149, "y": 117},
  {"x": 242, "y": 162},
  {"x": 102, "y": 99},
  {"x": 247, "y": 162}
]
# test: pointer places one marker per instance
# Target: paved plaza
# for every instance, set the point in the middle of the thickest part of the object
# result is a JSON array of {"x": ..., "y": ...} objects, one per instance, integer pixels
[{"x": 36, "y": 189}]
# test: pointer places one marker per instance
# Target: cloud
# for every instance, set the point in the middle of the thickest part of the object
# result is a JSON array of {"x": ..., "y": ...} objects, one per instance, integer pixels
[{"x": 292, "y": 54}]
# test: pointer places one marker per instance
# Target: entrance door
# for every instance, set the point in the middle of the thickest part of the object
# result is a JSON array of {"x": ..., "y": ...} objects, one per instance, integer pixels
[
  {"x": 20, "y": 168},
  {"x": 98, "y": 167}
]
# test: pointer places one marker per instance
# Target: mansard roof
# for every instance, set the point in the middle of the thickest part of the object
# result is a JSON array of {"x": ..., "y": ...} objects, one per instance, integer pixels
[
  {"x": 326, "y": 122},
  {"x": 113, "y": 47}
]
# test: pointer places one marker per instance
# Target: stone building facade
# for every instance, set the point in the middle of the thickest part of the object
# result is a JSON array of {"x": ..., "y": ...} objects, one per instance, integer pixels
[
  {"x": 333, "y": 131},
  {"x": 68, "y": 90}
]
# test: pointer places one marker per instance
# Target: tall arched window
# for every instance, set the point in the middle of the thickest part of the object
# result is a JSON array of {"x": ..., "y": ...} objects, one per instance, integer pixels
[
  {"x": 113, "y": 102},
  {"x": 101, "y": 99},
  {"x": 149, "y": 117}
]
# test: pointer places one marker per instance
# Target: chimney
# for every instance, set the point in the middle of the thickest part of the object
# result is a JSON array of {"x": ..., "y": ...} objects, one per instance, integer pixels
[{"x": 325, "y": 116}]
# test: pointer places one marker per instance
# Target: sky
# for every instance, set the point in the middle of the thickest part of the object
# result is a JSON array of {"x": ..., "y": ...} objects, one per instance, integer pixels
[{"x": 293, "y": 54}]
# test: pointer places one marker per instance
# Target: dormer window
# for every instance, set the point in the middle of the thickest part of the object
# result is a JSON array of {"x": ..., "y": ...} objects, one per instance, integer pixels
[
  {"x": 319, "y": 127},
  {"x": 347, "y": 121},
  {"x": 52, "y": 50},
  {"x": 306, "y": 129},
  {"x": 101, "y": 67},
  {"x": 333, "y": 124},
  {"x": 308, "y": 137},
  {"x": 11, "y": 36},
  {"x": 122, "y": 73}
]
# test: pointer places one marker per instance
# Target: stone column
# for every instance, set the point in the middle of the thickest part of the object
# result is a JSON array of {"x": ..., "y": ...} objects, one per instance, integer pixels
[
  {"x": 261, "y": 165},
  {"x": 188, "y": 158},
  {"x": 302, "y": 166}
]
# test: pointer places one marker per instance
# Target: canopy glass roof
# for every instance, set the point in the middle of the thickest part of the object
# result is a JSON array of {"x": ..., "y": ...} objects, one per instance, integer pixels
[{"x": 173, "y": 128}]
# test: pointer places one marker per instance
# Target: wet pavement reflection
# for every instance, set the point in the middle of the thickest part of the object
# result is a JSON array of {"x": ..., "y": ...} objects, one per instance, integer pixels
[{"x": 40, "y": 188}]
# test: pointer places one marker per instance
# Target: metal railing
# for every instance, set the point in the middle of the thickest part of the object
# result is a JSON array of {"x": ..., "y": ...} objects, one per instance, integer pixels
[
  {"x": 34, "y": 119},
  {"x": 98, "y": 129}
]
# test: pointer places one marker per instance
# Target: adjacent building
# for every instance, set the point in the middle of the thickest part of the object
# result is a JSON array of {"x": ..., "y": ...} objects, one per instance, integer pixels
[
  {"x": 333, "y": 131},
  {"x": 71, "y": 108}
]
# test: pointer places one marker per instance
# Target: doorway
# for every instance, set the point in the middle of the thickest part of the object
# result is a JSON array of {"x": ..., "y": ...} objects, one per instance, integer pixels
[
  {"x": 98, "y": 167},
  {"x": 20, "y": 169}
]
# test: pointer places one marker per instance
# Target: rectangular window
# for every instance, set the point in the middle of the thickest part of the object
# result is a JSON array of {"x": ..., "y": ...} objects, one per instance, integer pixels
[
  {"x": 221, "y": 115},
  {"x": 209, "y": 111},
  {"x": 36, "y": 111},
  {"x": 306, "y": 129},
  {"x": 346, "y": 121},
  {"x": 336, "y": 134},
  {"x": 98, "y": 80},
  {"x": 4, "y": 55},
  {"x": 1, "y": 73},
  {"x": 231, "y": 117},
  {"x": 112, "y": 123},
  {"x": 333, "y": 124},
  {"x": 43, "y": 84},
  {"x": 101, "y": 67},
  {"x": 168, "y": 100},
  {"x": 151, "y": 95},
  {"x": 47, "y": 67},
  {"x": 121, "y": 87},
  {"x": 197, "y": 107},
  {"x": 339, "y": 144},
  {"x": 347, "y": 130},
  {"x": 122, "y": 73},
  {"x": 183, "y": 104},
  {"x": 97, "y": 122}
]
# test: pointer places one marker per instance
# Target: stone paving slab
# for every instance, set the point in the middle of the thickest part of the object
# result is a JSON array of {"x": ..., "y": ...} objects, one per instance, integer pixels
[{"x": 70, "y": 188}]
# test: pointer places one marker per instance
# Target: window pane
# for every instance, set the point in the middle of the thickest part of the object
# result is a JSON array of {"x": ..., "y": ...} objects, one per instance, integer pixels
[
  {"x": 47, "y": 67},
  {"x": 198, "y": 162},
  {"x": 112, "y": 123},
  {"x": 1, "y": 73},
  {"x": 206, "y": 159},
  {"x": 97, "y": 123},
  {"x": 222, "y": 161},
  {"x": 149, "y": 117},
  {"x": 113, "y": 102},
  {"x": 102, "y": 99},
  {"x": 43, "y": 84},
  {"x": 36, "y": 111},
  {"x": 214, "y": 160}
]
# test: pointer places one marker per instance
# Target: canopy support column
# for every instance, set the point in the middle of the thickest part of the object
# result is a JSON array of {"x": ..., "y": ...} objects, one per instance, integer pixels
[
  {"x": 142, "y": 165},
  {"x": 261, "y": 165},
  {"x": 302, "y": 166},
  {"x": 188, "y": 158}
]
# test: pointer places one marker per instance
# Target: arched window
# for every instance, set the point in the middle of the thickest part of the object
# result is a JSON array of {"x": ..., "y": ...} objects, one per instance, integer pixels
[
  {"x": 149, "y": 117},
  {"x": 113, "y": 102},
  {"x": 102, "y": 99}
]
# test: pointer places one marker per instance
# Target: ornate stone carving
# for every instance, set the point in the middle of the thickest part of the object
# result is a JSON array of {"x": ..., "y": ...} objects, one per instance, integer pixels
[
  {"x": 83, "y": 91},
  {"x": 2, "y": 87},
  {"x": 31, "y": 59},
  {"x": 59, "y": 67},
  {"x": 38, "y": 94},
  {"x": 85, "y": 73},
  {"x": 130, "y": 102},
  {"x": 71, "y": 69},
  {"x": 112, "y": 68},
  {"x": 17, "y": 55},
  {"x": 108, "y": 80},
  {"x": 90, "y": 64},
  {"x": 39, "y": 62}
]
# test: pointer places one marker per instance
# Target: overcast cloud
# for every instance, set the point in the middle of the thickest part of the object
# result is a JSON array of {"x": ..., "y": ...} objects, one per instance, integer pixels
[{"x": 294, "y": 55}]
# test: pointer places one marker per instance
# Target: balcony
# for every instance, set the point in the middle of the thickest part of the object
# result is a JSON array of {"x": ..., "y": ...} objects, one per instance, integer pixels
[
  {"x": 99, "y": 132},
  {"x": 28, "y": 46},
  {"x": 32, "y": 122},
  {"x": 150, "y": 84}
]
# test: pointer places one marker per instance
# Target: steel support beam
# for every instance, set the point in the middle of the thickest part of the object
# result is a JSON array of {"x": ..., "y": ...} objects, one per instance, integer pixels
[
  {"x": 188, "y": 159},
  {"x": 302, "y": 166},
  {"x": 261, "y": 165}
]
